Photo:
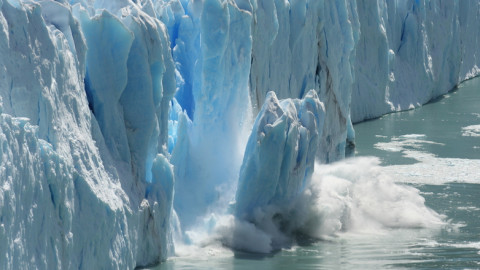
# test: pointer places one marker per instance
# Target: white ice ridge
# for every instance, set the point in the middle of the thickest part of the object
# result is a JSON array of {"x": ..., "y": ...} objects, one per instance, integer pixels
[{"x": 101, "y": 97}]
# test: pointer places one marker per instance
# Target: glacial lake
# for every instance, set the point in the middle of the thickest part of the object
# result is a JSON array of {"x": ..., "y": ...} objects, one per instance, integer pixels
[{"x": 435, "y": 149}]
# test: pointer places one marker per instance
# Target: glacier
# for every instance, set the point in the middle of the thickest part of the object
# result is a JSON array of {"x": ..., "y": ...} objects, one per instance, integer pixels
[
  {"x": 125, "y": 123},
  {"x": 414, "y": 62}
]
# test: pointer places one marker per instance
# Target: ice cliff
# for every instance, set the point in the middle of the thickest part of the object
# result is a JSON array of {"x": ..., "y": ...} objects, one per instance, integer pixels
[
  {"x": 413, "y": 51},
  {"x": 124, "y": 119},
  {"x": 84, "y": 183}
]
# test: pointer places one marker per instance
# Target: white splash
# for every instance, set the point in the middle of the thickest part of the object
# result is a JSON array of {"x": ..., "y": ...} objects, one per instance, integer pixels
[{"x": 351, "y": 196}]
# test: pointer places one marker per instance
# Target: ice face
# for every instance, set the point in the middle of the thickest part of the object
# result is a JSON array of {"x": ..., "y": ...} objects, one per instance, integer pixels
[
  {"x": 291, "y": 129},
  {"x": 106, "y": 75},
  {"x": 411, "y": 61},
  {"x": 68, "y": 194},
  {"x": 101, "y": 98},
  {"x": 293, "y": 53}
]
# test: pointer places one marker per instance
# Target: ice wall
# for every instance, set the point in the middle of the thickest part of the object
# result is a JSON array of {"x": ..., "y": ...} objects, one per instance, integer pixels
[
  {"x": 410, "y": 52},
  {"x": 73, "y": 193},
  {"x": 303, "y": 45}
]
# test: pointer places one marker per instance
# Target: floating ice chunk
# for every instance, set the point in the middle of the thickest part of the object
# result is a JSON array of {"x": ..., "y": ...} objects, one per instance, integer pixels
[
  {"x": 471, "y": 131},
  {"x": 405, "y": 143}
]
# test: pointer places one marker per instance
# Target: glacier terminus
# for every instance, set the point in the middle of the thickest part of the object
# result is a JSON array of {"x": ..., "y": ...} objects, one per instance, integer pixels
[{"x": 129, "y": 128}]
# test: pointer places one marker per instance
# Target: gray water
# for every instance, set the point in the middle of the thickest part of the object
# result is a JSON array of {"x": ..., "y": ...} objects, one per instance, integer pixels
[
  {"x": 441, "y": 121},
  {"x": 436, "y": 149}
]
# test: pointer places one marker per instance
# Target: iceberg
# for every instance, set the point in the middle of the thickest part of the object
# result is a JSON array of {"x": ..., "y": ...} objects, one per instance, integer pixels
[{"x": 125, "y": 123}]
